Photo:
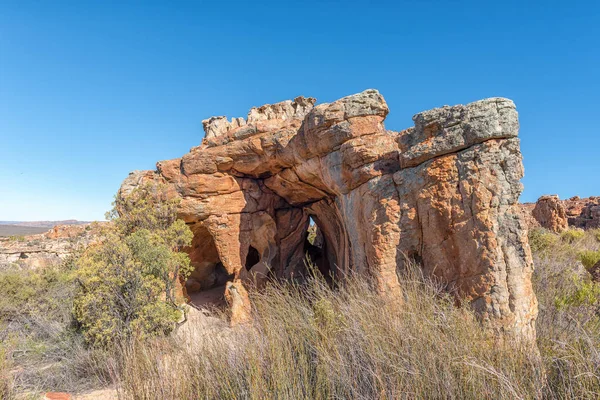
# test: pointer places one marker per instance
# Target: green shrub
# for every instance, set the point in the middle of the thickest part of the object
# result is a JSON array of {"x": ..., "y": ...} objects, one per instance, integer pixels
[
  {"x": 35, "y": 242},
  {"x": 30, "y": 289},
  {"x": 541, "y": 239},
  {"x": 589, "y": 258},
  {"x": 128, "y": 281},
  {"x": 572, "y": 235},
  {"x": 36, "y": 330},
  {"x": 595, "y": 233},
  {"x": 586, "y": 294},
  {"x": 16, "y": 238}
]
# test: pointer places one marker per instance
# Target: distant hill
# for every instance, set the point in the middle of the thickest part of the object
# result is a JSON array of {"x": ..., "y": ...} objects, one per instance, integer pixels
[
  {"x": 44, "y": 224},
  {"x": 17, "y": 230},
  {"x": 23, "y": 228}
]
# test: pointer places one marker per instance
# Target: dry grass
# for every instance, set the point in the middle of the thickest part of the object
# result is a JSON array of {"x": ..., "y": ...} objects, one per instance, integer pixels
[
  {"x": 314, "y": 342},
  {"x": 6, "y": 381},
  {"x": 568, "y": 325}
]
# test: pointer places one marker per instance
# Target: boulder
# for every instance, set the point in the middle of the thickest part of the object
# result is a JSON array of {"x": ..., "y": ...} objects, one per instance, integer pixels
[
  {"x": 443, "y": 192},
  {"x": 550, "y": 213}
]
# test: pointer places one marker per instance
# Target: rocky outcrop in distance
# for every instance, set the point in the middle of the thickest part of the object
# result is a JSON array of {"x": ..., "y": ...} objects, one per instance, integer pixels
[
  {"x": 550, "y": 213},
  {"x": 557, "y": 215},
  {"x": 45, "y": 249},
  {"x": 443, "y": 192}
]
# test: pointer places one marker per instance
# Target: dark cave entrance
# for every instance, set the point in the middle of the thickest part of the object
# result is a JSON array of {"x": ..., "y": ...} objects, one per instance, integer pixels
[
  {"x": 206, "y": 284},
  {"x": 315, "y": 250},
  {"x": 252, "y": 258}
]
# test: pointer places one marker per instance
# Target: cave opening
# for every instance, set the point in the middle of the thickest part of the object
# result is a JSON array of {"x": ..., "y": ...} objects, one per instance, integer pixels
[
  {"x": 206, "y": 284},
  {"x": 252, "y": 258},
  {"x": 315, "y": 250}
]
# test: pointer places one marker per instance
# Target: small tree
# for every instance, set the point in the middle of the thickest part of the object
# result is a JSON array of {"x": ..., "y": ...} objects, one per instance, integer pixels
[{"x": 128, "y": 280}]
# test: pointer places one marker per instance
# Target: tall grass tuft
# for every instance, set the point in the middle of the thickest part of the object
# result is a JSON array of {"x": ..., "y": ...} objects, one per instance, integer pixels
[
  {"x": 568, "y": 325},
  {"x": 313, "y": 342}
]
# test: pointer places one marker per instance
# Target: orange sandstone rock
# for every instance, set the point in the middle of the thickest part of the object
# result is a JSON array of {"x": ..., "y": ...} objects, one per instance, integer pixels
[
  {"x": 444, "y": 192},
  {"x": 239, "y": 303},
  {"x": 550, "y": 213}
]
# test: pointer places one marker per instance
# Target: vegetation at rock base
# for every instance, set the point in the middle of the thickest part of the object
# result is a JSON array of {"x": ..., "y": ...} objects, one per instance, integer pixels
[
  {"x": 572, "y": 235},
  {"x": 128, "y": 280},
  {"x": 541, "y": 239},
  {"x": 589, "y": 258},
  {"x": 306, "y": 341},
  {"x": 596, "y": 233},
  {"x": 314, "y": 342},
  {"x": 38, "y": 338}
]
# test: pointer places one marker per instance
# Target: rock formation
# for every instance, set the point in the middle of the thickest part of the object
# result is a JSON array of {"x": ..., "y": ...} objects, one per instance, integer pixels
[
  {"x": 583, "y": 213},
  {"x": 443, "y": 192},
  {"x": 550, "y": 213}
]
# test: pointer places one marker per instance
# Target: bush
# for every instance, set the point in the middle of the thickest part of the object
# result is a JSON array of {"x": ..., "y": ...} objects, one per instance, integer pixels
[
  {"x": 589, "y": 258},
  {"x": 541, "y": 239},
  {"x": 128, "y": 282},
  {"x": 36, "y": 333},
  {"x": 572, "y": 235},
  {"x": 585, "y": 293}
]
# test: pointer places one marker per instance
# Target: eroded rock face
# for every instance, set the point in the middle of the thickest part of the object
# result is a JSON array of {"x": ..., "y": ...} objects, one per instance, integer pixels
[
  {"x": 443, "y": 192},
  {"x": 550, "y": 213},
  {"x": 583, "y": 213}
]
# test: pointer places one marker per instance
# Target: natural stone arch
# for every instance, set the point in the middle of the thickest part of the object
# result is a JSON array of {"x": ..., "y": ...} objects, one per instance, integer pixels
[{"x": 444, "y": 191}]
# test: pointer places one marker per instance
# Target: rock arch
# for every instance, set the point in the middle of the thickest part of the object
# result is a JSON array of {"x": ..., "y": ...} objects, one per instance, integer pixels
[{"x": 444, "y": 191}]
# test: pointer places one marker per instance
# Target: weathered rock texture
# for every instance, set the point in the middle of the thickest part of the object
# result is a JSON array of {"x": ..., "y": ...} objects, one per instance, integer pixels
[
  {"x": 583, "y": 213},
  {"x": 443, "y": 192},
  {"x": 45, "y": 249},
  {"x": 550, "y": 213}
]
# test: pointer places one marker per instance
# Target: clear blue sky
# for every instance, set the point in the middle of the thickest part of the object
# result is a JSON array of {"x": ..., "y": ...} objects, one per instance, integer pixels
[{"x": 92, "y": 90}]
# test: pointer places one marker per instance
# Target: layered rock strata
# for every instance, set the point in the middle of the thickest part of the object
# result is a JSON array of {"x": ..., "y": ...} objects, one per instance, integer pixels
[{"x": 443, "y": 192}]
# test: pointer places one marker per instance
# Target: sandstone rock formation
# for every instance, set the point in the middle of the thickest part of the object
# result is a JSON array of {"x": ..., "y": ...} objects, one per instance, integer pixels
[
  {"x": 443, "y": 192},
  {"x": 583, "y": 213},
  {"x": 38, "y": 251},
  {"x": 550, "y": 213},
  {"x": 555, "y": 214}
]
